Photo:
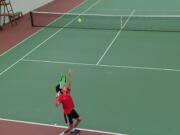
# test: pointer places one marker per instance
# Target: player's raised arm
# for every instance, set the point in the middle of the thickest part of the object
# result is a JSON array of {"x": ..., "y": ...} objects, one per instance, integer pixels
[{"x": 69, "y": 78}]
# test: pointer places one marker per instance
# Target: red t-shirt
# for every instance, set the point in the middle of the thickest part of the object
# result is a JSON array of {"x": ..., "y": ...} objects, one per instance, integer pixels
[{"x": 66, "y": 100}]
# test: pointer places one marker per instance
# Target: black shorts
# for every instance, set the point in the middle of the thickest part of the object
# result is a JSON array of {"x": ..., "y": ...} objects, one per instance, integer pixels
[{"x": 72, "y": 115}]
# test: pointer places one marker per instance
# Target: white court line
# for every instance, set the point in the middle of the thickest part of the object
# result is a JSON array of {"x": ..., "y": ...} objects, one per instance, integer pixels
[
  {"x": 116, "y": 9},
  {"x": 112, "y": 9},
  {"x": 114, "y": 39},
  {"x": 94, "y": 4},
  {"x": 40, "y": 30},
  {"x": 101, "y": 65},
  {"x": 49, "y": 125}
]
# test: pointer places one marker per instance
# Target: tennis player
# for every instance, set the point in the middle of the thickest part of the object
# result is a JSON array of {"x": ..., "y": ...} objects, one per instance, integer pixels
[{"x": 64, "y": 97}]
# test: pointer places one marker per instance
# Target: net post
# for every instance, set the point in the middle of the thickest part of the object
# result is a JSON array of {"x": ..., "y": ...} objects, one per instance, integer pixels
[{"x": 32, "y": 21}]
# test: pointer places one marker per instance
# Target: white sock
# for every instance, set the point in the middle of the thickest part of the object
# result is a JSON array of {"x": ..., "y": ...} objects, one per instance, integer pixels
[{"x": 62, "y": 133}]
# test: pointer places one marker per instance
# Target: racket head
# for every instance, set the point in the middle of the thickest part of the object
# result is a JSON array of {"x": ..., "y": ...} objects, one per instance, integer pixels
[{"x": 62, "y": 81}]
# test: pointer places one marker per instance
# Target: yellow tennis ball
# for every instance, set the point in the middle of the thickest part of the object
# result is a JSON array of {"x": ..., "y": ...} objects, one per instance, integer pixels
[{"x": 79, "y": 20}]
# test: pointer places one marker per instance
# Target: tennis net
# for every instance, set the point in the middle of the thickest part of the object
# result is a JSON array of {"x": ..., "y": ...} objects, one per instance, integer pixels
[{"x": 169, "y": 23}]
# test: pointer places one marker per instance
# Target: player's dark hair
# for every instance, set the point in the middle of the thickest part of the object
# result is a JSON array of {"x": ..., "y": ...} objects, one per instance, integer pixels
[{"x": 58, "y": 89}]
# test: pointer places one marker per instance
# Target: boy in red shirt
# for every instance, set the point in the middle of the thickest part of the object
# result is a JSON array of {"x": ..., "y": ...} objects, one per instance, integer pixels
[{"x": 64, "y": 97}]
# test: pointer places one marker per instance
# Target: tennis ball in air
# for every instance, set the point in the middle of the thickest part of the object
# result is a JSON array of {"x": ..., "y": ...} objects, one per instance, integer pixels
[{"x": 79, "y": 20}]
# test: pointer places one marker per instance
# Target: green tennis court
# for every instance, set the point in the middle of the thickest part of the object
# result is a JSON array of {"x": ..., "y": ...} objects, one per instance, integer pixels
[{"x": 123, "y": 81}]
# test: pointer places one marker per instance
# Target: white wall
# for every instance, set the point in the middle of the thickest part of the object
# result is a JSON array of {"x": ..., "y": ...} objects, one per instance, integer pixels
[{"x": 27, "y": 5}]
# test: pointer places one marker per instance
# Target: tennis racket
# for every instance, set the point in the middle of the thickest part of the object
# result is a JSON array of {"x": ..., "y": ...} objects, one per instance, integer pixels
[{"x": 62, "y": 81}]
